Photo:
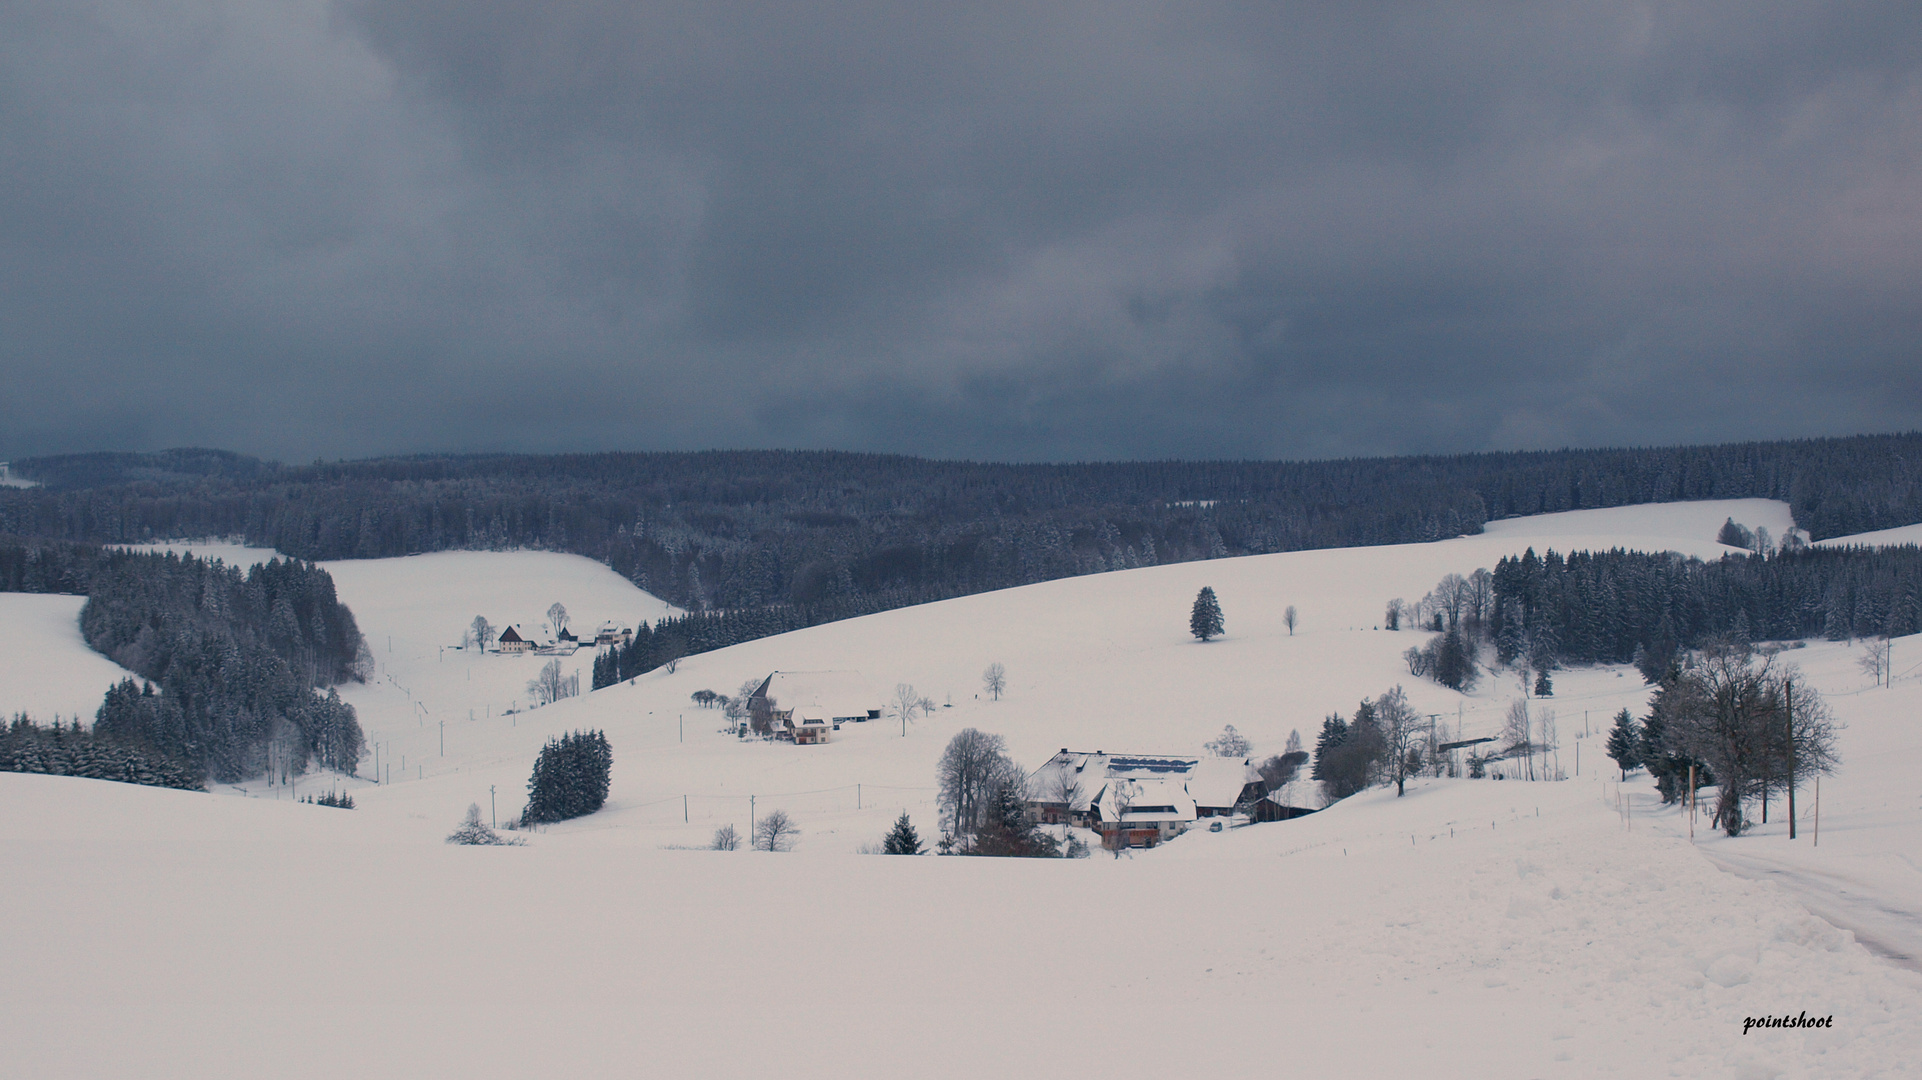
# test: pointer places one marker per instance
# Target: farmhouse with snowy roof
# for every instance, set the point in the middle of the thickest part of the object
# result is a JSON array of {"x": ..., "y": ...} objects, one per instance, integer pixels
[
  {"x": 613, "y": 633},
  {"x": 512, "y": 641},
  {"x": 1139, "y": 800},
  {"x": 806, "y": 706}
]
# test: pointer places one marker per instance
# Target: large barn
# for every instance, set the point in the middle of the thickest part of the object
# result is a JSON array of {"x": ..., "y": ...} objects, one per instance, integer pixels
[{"x": 808, "y": 706}]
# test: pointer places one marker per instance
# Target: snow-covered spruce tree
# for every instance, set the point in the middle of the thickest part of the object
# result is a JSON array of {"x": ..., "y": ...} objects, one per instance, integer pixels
[
  {"x": 570, "y": 778},
  {"x": 902, "y": 839},
  {"x": 1205, "y": 620}
]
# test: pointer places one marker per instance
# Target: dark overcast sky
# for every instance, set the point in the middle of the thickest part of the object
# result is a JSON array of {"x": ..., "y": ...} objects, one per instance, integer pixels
[{"x": 1021, "y": 231}]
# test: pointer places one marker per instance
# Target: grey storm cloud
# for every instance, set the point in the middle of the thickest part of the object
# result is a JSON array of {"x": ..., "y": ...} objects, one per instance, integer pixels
[{"x": 1032, "y": 231}]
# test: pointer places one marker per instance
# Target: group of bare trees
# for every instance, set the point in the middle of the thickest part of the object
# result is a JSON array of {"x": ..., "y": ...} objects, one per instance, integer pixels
[
  {"x": 549, "y": 685},
  {"x": 975, "y": 776},
  {"x": 1746, "y": 719},
  {"x": 773, "y": 831},
  {"x": 1530, "y": 732}
]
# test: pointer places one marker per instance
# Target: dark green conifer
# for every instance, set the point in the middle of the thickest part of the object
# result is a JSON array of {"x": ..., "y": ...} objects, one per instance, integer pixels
[
  {"x": 1205, "y": 621},
  {"x": 902, "y": 839}
]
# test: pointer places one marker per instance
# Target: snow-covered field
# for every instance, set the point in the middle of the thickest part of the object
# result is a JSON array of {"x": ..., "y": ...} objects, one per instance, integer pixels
[
  {"x": 1474, "y": 927},
  {"x": 1906, "y": 534},
  {"x": 46, "y": 668}
]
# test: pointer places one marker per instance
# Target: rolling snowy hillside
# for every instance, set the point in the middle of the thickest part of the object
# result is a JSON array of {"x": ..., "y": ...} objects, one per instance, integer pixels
[{"x": 1471, "y": 928}]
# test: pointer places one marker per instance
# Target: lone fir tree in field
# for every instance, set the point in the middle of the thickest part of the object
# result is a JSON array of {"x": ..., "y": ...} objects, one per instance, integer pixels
[
  {"x": 902, "y": 839},
  {"x": 1624, "y": 743},
  {"x": 1205, "y": 621}
]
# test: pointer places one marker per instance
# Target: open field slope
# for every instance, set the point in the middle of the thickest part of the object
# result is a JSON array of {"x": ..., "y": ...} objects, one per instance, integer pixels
[
  {"x": 46, "y": 668},
  {"x": 1906, "y": 534},
  {"x": 1471, "y": 928}
]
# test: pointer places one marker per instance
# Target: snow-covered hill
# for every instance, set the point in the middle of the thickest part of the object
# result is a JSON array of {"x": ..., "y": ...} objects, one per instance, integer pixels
[
  {"x": 46, "y": 668},
  {"x": 1472, "y": 928}
]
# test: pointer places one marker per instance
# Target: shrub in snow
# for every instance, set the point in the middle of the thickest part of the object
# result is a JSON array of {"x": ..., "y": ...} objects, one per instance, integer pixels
[
  {"x": 726, "y": 839},
  {"x": 475, "y": 831}
]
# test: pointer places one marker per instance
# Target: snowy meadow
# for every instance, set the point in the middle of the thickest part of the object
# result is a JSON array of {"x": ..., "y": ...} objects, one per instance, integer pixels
[{"x": 1472, "y": 927}]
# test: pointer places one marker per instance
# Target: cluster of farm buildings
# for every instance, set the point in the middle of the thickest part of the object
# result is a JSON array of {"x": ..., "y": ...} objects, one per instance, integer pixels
[
  {"x": 513, "y": 640},
  {"x": 1131, "y": 800}
]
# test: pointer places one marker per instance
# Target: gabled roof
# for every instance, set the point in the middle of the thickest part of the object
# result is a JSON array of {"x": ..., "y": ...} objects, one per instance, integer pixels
[
  {"x": 820, "y": 696},
  {"x": 1085, "y": 772},
  {"x": 508, "y": 634},
  {"x": 1219, "y": 782},
  {"x": 1150, "y": 801}
]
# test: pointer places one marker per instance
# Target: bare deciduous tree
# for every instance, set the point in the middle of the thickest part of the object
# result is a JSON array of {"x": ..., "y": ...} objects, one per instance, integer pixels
[
  {"x": 557, "y": 617},
  {"x": 1399, "y": 729},
  {"x": 481, "y": 632},
  {"x": 549, "y": 685},
  {"x": 736, "y": 707},
  {"x": 1518, "y": 731},
  {"x": 775, "y": 832},
  {"x": 725, "y": 839},
  {"x": 904, "y": 704},
  {"x": 1755, "y": 731},
  {"x": 1230, "y": 743},
  {"x": 1875, "y": 660},
  {"x": 1064, "y": 787},
  {"x": 973, "y": 768},
  {"x": 1291, "y": 617},
  {"x": 995, "y": 679}
]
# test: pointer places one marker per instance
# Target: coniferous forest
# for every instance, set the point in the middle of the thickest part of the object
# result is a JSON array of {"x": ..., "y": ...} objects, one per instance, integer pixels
[
  {"x": 1622, "y": 606},
  {"x": 232, "y": 663},
  {"x": 754, "y": 543}
]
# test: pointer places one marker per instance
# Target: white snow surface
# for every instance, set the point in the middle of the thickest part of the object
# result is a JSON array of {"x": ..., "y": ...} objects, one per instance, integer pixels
[
  {"x": 230, "y": 552},
  {"x": 1896, "y": 537},
  {"x": 46, "y": 668},
  {"x": 1471, "y": 928}
]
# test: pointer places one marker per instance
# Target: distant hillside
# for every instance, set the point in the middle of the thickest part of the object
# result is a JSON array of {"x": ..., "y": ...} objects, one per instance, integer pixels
[{"x": 826, "y": 535}]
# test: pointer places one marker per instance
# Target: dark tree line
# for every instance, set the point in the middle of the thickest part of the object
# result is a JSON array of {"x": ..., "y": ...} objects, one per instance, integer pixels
[
  {"x": 834, "y": 532},
  {"x": 25, "y": 747},
  {"x": 1622, "y": 606},
  {"x": 231, "y": 661}
]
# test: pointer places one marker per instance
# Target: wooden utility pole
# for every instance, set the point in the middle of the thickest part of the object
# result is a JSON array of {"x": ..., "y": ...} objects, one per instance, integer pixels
[{"x": 1789, "y": 688}]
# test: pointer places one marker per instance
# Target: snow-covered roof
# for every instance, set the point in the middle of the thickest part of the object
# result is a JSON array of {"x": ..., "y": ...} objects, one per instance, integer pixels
[
  {"x": 1086, "y": 772},
  {"x": 1218, "y": 781},
  {"x": 1150, "y": 801},
  {"x": 821, "y": 696},
  {"x": 1212, "y": 782},
  {"x": 511, "y": 634}
]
